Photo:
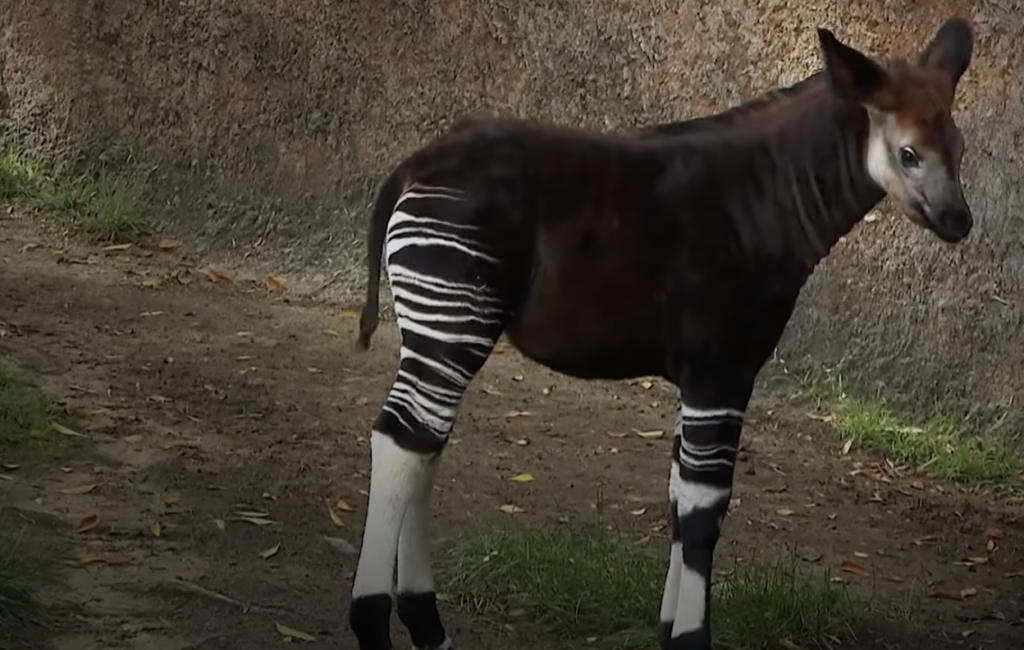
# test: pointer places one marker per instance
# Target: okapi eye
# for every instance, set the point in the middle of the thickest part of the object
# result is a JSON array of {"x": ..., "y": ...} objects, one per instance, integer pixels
[{"x": 908, "y": 157}]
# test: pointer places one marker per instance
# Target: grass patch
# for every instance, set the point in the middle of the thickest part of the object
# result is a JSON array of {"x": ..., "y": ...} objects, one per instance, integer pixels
[
  {"x": 939, "y": 445},
  {"x": 20, "y": 574},
  {"x": 26, "y": 415},
  {"x": 589, "y": 587},
  {"x": 103, "y": 206}
]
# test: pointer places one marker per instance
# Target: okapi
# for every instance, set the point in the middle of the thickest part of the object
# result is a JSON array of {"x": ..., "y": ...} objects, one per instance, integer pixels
[{"x": 678, "y": 251}]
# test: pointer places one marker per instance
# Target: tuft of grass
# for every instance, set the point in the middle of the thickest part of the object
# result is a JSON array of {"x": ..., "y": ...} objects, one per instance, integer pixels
[
  {"x": 938, "y": 445},
  {"x": 102, "y": 206},
  {"x": 589, "y": 587},
  {"x": 20, "y": 575},
  {"x": 25, "y": 413}
]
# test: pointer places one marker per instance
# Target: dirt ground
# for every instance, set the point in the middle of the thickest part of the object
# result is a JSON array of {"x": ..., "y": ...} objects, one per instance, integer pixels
[{"x": 199, "y": 400}]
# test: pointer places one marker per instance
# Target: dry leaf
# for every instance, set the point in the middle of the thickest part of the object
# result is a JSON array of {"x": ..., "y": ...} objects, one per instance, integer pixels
[
  {"x": 291, "y": 633},
  {"x": 332, "y": 333},
  {"x": 785, "y": 512},
  {"x": 650, "y": 435},
  {"x": 511, "y": 509},
  {"x": 157, "y": 529},
  {"x": 274, "y": 282},
  {"x": 64, "y": 431},
  {"x": 994, "y": 533},
  {"x": 517, "y": 377},
  {"x": 216, "y": 275},
  {"x": 345, "y": 506},
  {"x": 917, "y": 484},
  {"x": 946, "y": 595},
  {"x": 152, "y": 283},
  {"x": 892, "y": 578},
  {"x": 116, "y": 247},
  {"x": 517, "y": 414},
  {"x": 133, "y": 439},
  {"x": 342, "y": 545},
  {"x": 170, "y": 499},
  {"x": 853, "y": 567},
  {"x": 349, "y": 313},
  {"x": 523, "y": 478},
  {"x": 79, "y": 490},
  {"x": 335, "y": 517},
  {"x": 637, "y": 513},
  {"x": 89, "y": 524},
  {"x": 10, "y": 467},
  {"x": 847, "y": 446},
  {"x": 259, "y": 521},
  {"x": 613, "y": 434},
  {"x": 270, "y": 552},
  {"x": 219, "y": 523},
  {"x": 169, "y": 244},
  {"x": 968, "y": 592},
  {"x": 861, "y": 554}
]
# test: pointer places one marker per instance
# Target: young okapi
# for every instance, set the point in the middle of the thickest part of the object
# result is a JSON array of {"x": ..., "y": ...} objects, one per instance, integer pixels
[{"x": 677, "y": 252}]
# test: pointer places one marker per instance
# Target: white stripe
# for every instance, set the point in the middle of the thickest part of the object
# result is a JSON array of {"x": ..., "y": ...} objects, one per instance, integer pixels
[
  {"x": 690, "y": 495},
  {"x": 690, "y": 412},
  {"x": 400, "y": 217},
  {"x": 452, "y": 372},
  {"x": 438, "y": 285},
  {"x": 403, "y": 310},
  {"x": 402, "y": 243},
  {"x": 691, "y": 605},
  {"x": 404, "y": 294}
]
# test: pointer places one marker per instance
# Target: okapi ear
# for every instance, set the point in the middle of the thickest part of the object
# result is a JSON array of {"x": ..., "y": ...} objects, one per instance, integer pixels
[
  {"x": 854, "y": 77},
  {"x": 950, "y": 50}
]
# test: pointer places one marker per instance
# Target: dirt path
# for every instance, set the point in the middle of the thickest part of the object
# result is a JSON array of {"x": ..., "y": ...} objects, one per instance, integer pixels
[{"x": 200, "y": 400}]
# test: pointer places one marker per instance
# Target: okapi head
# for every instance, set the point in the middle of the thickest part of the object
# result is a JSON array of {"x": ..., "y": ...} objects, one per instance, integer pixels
[{"x": 914, "y": 147}]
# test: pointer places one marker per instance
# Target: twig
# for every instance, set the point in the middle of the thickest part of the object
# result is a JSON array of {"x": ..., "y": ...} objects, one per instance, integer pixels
[{"x": 193, "y": 588}]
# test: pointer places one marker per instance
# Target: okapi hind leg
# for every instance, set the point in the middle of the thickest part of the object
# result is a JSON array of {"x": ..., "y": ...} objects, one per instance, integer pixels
[
  {"x": 700, "y": 487},
  {"x": 450, "y": 315}
]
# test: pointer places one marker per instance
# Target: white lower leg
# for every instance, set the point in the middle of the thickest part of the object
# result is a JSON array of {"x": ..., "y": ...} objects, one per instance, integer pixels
[
  {"x": 670, "y": 597},
  {"x": 414, "y": 572},
  {"x": 395, "y": 476},
  {"x": 689, "y": 615}
]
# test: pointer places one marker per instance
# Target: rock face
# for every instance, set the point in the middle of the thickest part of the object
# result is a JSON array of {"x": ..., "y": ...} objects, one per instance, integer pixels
[{"x": 266, "y": 125}]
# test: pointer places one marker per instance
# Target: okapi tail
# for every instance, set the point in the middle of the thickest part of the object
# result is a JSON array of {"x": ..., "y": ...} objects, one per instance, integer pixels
[{"x": 386, "y": 198}]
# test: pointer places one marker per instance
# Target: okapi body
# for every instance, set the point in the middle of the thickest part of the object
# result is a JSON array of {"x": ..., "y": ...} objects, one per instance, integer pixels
[{"x": 678, "y": 251}]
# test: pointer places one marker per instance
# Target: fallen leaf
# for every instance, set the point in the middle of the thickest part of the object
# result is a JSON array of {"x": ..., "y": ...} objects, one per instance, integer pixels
[
  {"x": 89, "y": 559},
  {"x": 259, "y": 521},
  {"x": 342, "y": 545},
  {"x": 517, "y": 377},
  {"x": 291, "y": 633},
  {"x": 349, "y": 313},
  {"x": 116, "y": 247},
  {"x": 523, "y": 478},
  {"x": 169, "y": 244},
  {"x": 345, "y": 506},
  {"x": 170, "y": 499},
  {"x": 89, "y": 524},
  {"x": 917, "y": 484},
  {"x": 853, "y": 567},
  {"x": 147, "y": 314},
  {"x": 892, "y": 578},
  {"x": 252, "y": 513},
  {"x": 157, "y": 529},
  {"x": 219, "y": 523},
  {"x": 274, "y": 282},
  {"x": 980, "y": 559},
  {"x": 335, "y": 517},
  {"x": 511, "y": 509},
  {"x": 847, "y": 446},
  {"x": 637, "y": 513},
  {"x": 518, "y": 414},
  {"x": 133, "y": 439},
  {"x": 332, "y": 333},
  {"x": 152, "y": 283},
  {"x": 216, "y": 275},
  {"x": 79, "y": 490},
  {"x": 650, "y": 435},
  {"x": 64, "y": 431},
  {"x": 946, "y": 595},
  {"x": 861, "y": 554},
  {"x": 994, "y": 533},
  {"x": 613, "y": 434},
  {"x": 968, "y": 592},
  {"x": 10, "y": 467},
  {"x": 270, "y": 552},
  {"x": 785, "y": 512}
]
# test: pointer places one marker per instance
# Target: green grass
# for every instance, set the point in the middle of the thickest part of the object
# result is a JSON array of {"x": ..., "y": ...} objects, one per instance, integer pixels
[
  {"x": 590, "y": 588},
  {"x": 26, "y": 414},
  {"x": 103, "y": 206},
  {"x": 21, "y": 572},
  {"x": 939, "y": 445}
]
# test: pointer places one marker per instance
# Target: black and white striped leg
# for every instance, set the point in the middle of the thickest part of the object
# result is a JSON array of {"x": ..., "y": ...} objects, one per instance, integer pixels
[
  {"x": 700, "y": 486},
  {"x": 449, "y": 318}
]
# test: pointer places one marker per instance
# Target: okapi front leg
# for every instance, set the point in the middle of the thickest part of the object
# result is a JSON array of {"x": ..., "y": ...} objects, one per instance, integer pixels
[{"x": 700, "y": 485}]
